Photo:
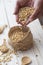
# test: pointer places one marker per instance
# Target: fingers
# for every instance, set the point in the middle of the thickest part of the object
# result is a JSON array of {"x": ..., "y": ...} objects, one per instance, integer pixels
[
  {"x": 36, "y": 14},
  {"x": 30, "y": 19},
  {"x": 17, "y": 18},
  {"x": 22, "y": 23},
  {"x": 17, "y": 8},
  {"x": 19, "y": 4}
]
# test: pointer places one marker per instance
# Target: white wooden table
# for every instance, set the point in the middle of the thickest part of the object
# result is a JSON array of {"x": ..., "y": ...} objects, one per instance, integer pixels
[{"x": 7, "y": 17}]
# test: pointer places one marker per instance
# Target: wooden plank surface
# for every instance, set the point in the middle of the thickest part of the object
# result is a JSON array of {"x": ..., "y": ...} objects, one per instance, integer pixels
[
  {"x": 7, "y": 17},
  {"x": 3, "y": 21}
]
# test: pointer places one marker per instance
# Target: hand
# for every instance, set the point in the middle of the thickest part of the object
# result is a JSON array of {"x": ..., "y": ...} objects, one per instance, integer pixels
[
  {"x": 37, "y": 12},
  {"x": 20, "y": 4}
]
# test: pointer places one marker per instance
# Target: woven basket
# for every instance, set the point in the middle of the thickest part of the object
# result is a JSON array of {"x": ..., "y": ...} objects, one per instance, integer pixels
[{"x": 25, "y": 43}]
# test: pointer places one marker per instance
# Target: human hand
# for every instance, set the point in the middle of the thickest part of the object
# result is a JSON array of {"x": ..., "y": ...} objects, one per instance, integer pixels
[
  {"x": 37, "y": 12},
  {"x": 38, "y": 5},
  {"x": 20, "y": 4}
]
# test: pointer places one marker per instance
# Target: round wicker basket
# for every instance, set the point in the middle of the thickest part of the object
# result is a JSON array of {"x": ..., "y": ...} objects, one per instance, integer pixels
[{"x": 25, "y": 43}]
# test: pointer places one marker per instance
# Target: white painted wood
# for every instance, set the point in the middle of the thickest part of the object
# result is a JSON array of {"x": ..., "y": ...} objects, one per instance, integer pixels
[
  {"x": 3, "y": 21},
  {"x": 9, "y": 7},
  {"x": 37, "y": 32}
]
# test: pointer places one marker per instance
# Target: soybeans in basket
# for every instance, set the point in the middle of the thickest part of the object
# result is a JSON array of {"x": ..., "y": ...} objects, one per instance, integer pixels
[{"x": 17, "y": 35}]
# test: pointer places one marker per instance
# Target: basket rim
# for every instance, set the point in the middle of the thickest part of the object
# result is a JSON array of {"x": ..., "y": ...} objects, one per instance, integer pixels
[{"x": 28, "y": 31}]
